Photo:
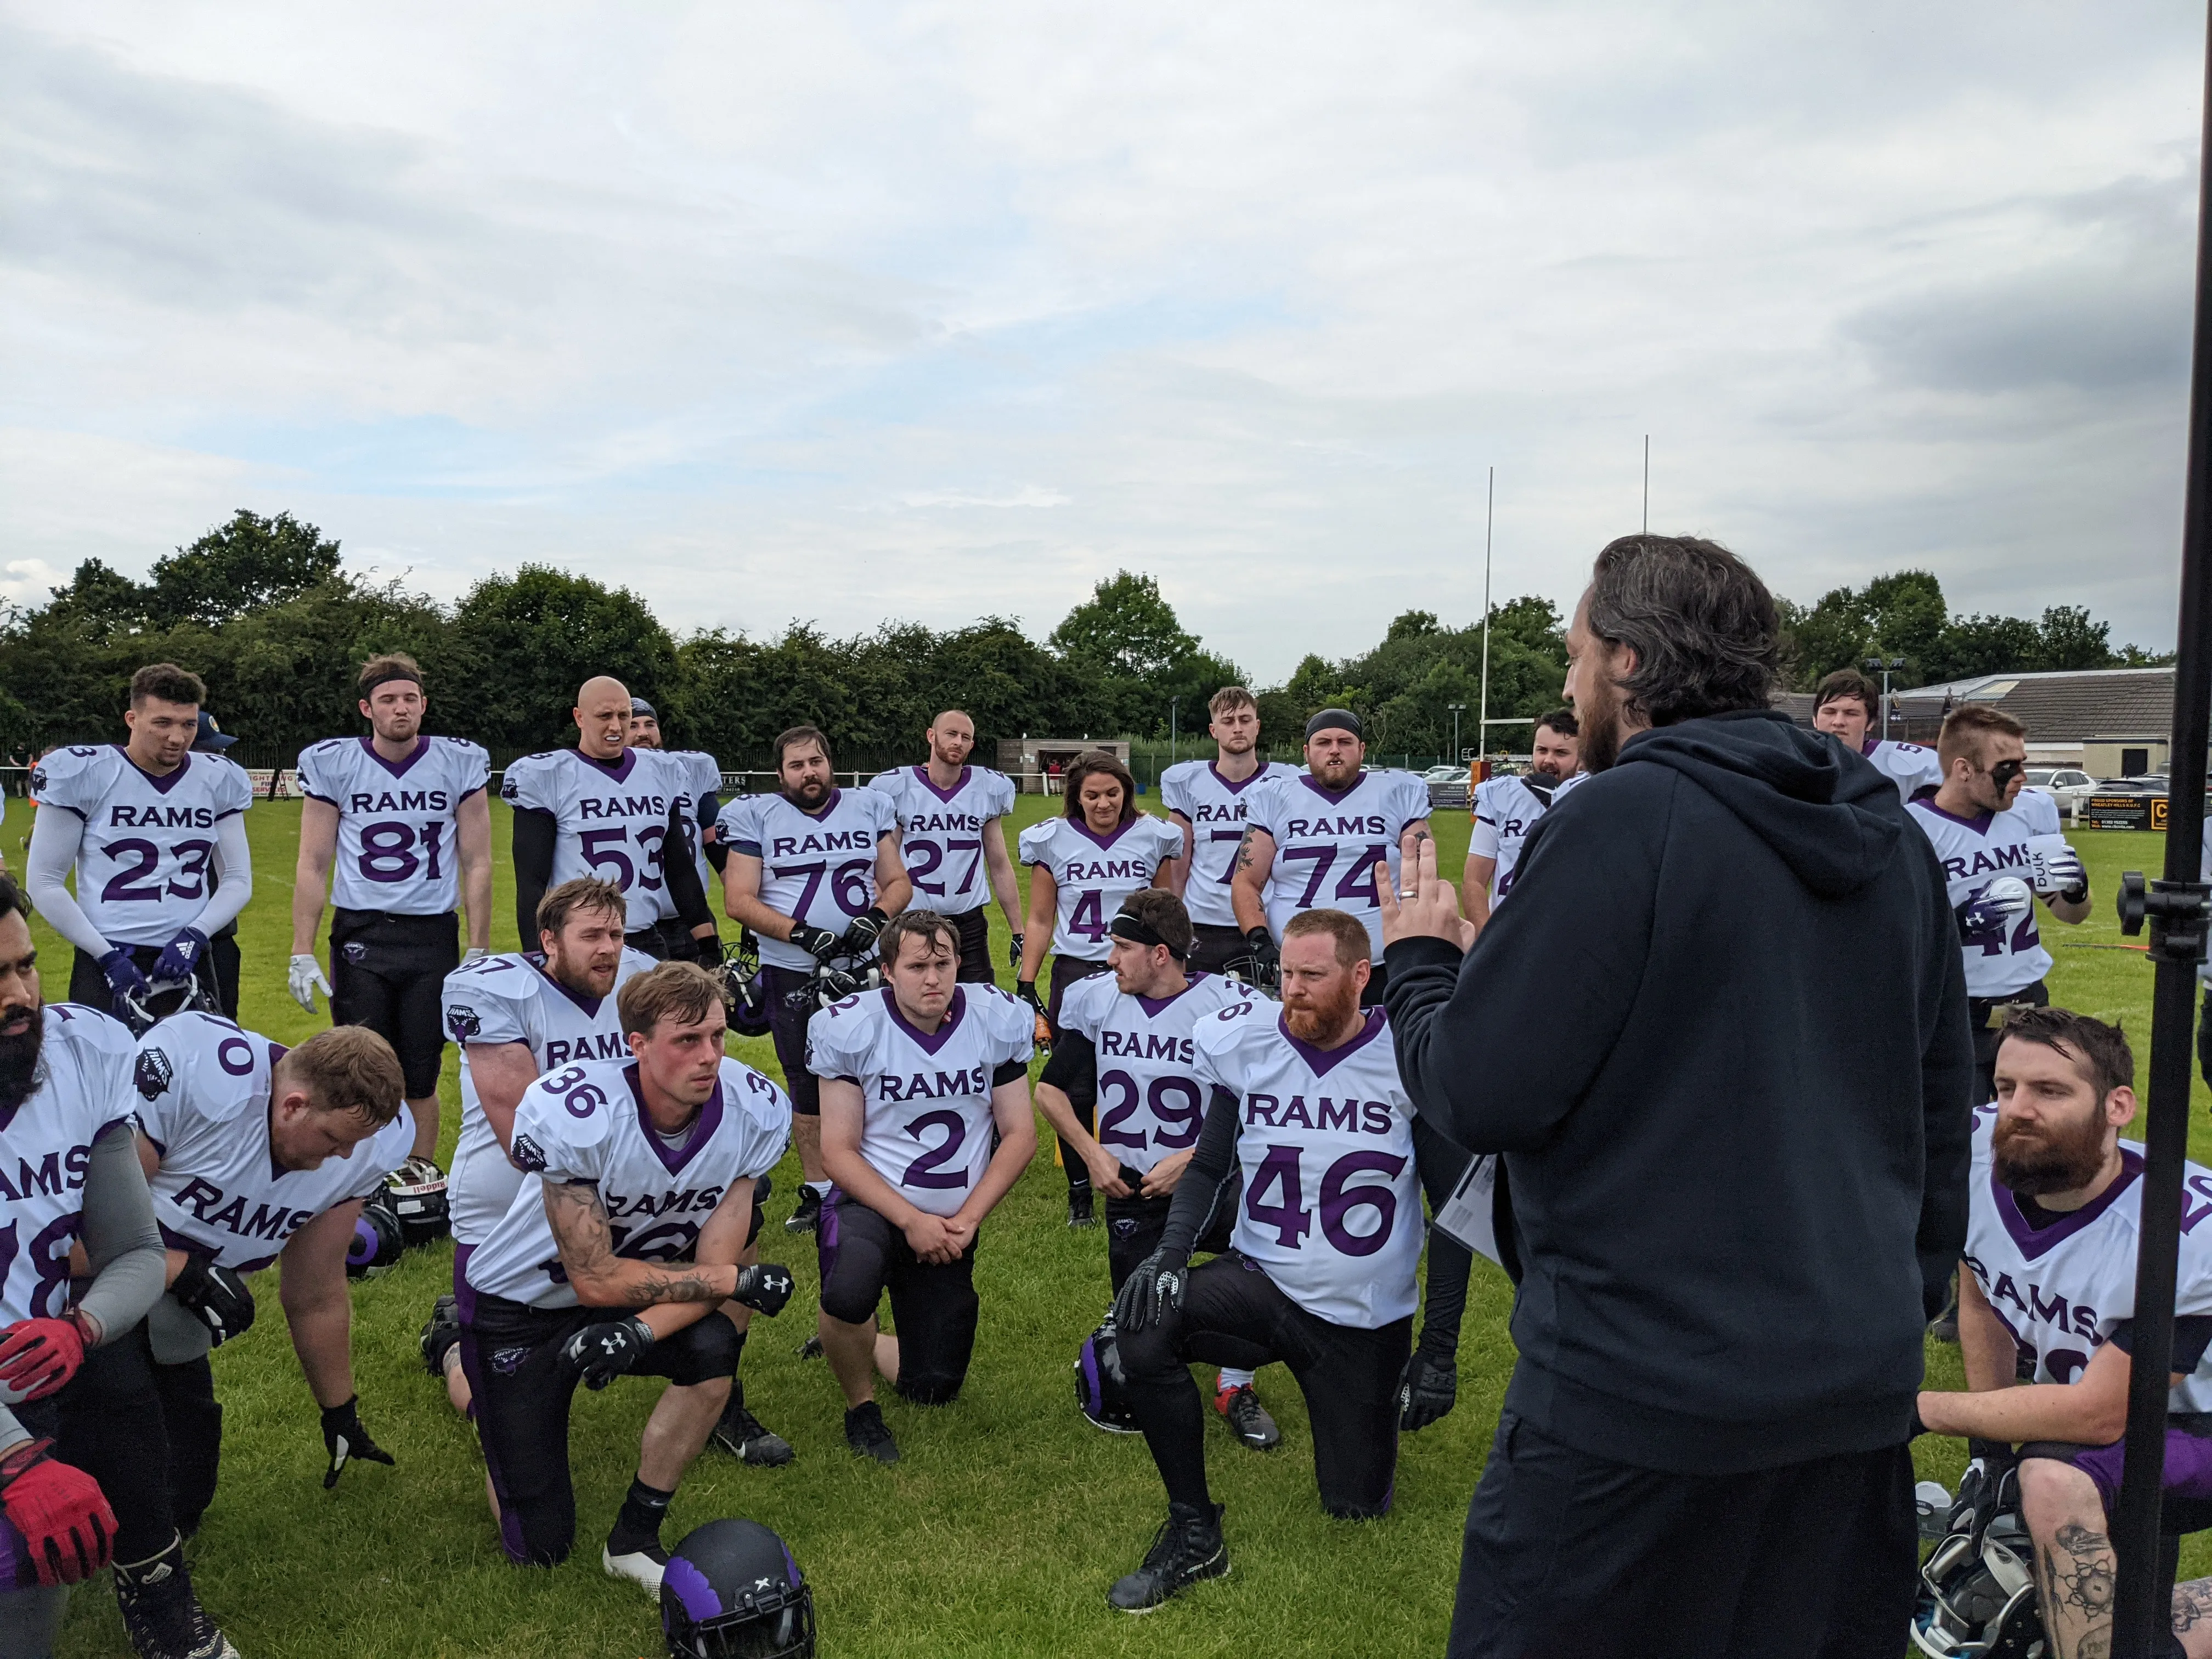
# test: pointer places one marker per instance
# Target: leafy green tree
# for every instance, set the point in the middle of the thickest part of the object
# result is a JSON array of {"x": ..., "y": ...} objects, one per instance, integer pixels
[
  {"x": 519, "y": 647},
  {"x": 239, "y": 567},
  {"x": 1126, "y": 629}
]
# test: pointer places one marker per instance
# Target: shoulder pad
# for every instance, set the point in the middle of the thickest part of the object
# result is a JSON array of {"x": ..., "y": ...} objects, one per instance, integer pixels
[
  {"x": 219, "y": 1066},
  {"x": 74, "y": 774},
  {"x": 575, "y": 1106},
  {"x": 1036, "y": 842}
]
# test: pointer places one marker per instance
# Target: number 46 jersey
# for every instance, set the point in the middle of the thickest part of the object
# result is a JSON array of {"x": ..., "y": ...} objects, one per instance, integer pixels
[
  {"x": 1332, "y": 1201},
  {"x": 397, "y": 823},
  {"x": 1151, "y": 1102}
]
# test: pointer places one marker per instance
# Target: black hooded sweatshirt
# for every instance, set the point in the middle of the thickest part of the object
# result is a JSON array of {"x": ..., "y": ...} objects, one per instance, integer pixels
[{"x": 1720, "y": 1037}]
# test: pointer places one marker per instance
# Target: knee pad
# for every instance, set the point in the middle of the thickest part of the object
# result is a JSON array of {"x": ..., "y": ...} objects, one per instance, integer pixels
[{"x": 700, "y": 1352}]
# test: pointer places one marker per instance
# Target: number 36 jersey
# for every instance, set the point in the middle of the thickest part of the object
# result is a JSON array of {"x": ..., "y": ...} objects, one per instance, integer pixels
[
  {"x": 142, "y": 869},
  {"x": 1094, "y": 873},
  {"x": 82, "y": 1093},
  {"x": 1151, "y": 1102},
  {"x": 1332, "y": 1201},
  {"x": 925, "y": 1097},
  {"x": 396, "y": 822},
  {"x": 611, "y": 819},
  {"x": 816, "y": 868}
]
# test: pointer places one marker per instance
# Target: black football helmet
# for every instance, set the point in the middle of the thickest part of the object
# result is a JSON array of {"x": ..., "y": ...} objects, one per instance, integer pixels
[
  {"x": 731, "y": 1591},
  {"x": 418, "y": 1192},
  {"x": 1099, "y": 1381},
  {"x": 142, "y": 1010},
  {"x": 743, "y": 994},
  {"x": 832, "y": 982},
  {"x": 377, "y": 1238}
]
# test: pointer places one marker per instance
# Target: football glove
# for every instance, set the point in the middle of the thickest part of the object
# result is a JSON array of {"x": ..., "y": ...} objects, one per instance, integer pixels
[
  {"x": 217, "y": 1295},
  {"x": 1152, "y": 1295},
  {"x": 180, "y": 955},
  {"x": 764, "y": 1287},
  {"x": 122, "y": 974},
  {"x": 306, "y": 979},
  {"x": 817, "y": 942},
  {"x": 1265, "y": 955},
  {"x": 1427, "y": 1388},
  {"x": 867, "y": 927},
  {"x": 1981, "y": 1488},
  {"x": 1027, "y": 991},
  {"x": 474, "y": 953},
  {"x": 1014, "y": 951},
  {"x": 345, "y": 1439},
  {"x": 1996, "y": 906},
  {"x": 601, "y": 1353},
  {"x": 2064, "y": 876},
  {"x": 69, "y": 1531},
  {"x": 39, "y": 1355}
]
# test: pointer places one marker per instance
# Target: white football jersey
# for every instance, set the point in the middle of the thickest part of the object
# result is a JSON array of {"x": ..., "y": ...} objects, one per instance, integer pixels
[
  {"x": 941, "y": 833},
  {"x": 83, "y": 1091},
  {"x": 1973, "y": 853},
  {"x": 203, "y": 1087},
  {"x": 1094, "y": 873},
  {"x": 397, "y": 824},
  {"x": 1505, "y": 810},
  {"x": 1215, "y": 810},
  {"x": 2060, "y": 1290},
  {"x": 612, "y": 819},
  {"x": 587, "y": 1123},
  {"x": 816, "y": 867},
  {"x": 1332, "y": 1201},
  {"x": 512, "y": 999},
  {"x": 702, "y": 775},
  {"x": 1908, "y": 765},
  {"x": 1327, "y": 846},
  {"x": 927, "y": 1099},
  {"x": 1151, "y": 1102},
  {"x": 142, "y": 869}
]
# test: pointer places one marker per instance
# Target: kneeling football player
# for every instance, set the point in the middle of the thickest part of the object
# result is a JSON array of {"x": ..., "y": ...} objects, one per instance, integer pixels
[
  {"x": 1320, "y": 1274},
  {"x": 616, "y": 1257},
  {"x": 914, "y": 1077},
  {"x": 1136, "y": 1021}
]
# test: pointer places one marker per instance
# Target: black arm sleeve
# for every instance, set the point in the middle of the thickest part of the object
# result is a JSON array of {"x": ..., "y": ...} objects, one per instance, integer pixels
[
  {"x": 1211, "y": 1161},
  {"x": 682, "y": 875},
  {"x": 1450, "y": 1262},
  {"x": 535, "y": 832},
  {"x": 710, "y": 808},
  {"x": 1073, "y": 1070}
]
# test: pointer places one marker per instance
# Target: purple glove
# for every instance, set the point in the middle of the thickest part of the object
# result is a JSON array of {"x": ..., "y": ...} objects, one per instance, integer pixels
[{"x": 180, "y": 955}]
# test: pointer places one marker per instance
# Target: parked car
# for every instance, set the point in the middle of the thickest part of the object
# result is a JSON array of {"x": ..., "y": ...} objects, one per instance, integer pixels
[
  {"x": 2149, "y": 783},
  {"x": 2068, "y": 785},
  {"x": 1447, "y": 785}
]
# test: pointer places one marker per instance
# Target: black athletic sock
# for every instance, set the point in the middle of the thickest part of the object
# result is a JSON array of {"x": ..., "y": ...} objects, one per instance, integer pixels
[
  {"x": 638, "y": 1526},
  {"x": 1174, "y": 1421}
]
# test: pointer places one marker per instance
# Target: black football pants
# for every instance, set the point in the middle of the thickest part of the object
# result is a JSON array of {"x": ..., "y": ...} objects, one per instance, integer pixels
[
  {"x": 934, "y": 1304},
  {"x": 388, "y": 974}
]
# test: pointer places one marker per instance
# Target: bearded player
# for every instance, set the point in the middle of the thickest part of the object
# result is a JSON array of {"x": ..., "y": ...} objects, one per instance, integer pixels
[
  {"x": 1208, "y": 801},
  {"x": 1506, "y": 810},
  {"x": 1844, "y": 706},
  {"x": 702, "y": 775},
  {"x": 1307, "y": 1104},
  {"x": 1127, "y": 1036},
  {"x": 952, "y": 838}
]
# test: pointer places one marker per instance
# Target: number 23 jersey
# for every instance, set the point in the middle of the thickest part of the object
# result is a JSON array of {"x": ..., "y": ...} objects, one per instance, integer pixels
[
  {"x": 925, "y": 1097},
  {"x": 142, "y": 869},
  {"x": 396, "y": 823},
  {"x": 1151, "y": 1102},
  {"x": 1332, "y": 1201},
  {"x": 1094, "y": 873},
  {"x": 816, "y": 867}
]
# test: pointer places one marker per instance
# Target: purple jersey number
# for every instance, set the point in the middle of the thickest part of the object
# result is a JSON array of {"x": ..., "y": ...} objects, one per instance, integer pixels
[
  {"x": 928, "y": 1170},
  {"x": 1292, "y": 1221}
]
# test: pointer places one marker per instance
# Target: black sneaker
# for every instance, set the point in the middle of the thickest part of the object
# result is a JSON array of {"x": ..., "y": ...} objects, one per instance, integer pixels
[
  {"x": 161, "y": 1616},
  {"x": 1187, "y": 1548},
  {"x": 441, "y": 1335},
  {"x": 868, "y": 1435},
  {"x": 809, "y": 1211},
  {"x": 1247, "y": 1418},
  {"x": 740, "y": 1434},
  {"x": 1944, "y": 1328},
  {"x": 1078, "y": 1207}
]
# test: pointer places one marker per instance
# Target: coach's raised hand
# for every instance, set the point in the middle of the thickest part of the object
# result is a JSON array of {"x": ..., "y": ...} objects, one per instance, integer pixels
[{"x": 1426, "y": 906}]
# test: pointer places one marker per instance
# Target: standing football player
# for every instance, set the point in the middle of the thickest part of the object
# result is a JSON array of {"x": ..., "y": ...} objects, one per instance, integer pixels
[
  {"x": 916, "y": 1076},
  {"x": 257, "y": 1154},
  {"x": 951, "y": 831},
  {"x": 703, "y": 783},
  {"x": 1082, "y": 865},
  {"x": 1307, "y": 1103},
  {"x": 1506, "y": 809},
  {"x": 1137, "y": 1021},
  {"x": 222, "y": 942},
  {"x": 405, "y": 819},
  {"x": 141, "y": 822},
  {"x": 614, "y": 1258},
  {"x": 607, "y": 810},
  {"x": 1844, "y": 706},
  {"x": 1316, "y": 838},
  {"x": 815, "y": 872},
  {"x": 1207, "y": 801}
]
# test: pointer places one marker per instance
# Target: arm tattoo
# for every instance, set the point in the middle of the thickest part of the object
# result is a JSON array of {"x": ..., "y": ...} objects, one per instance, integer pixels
[
  {"x": 1244, "y": 852},
  {"x": 587, "y": 1244},
  {"x": 2192, "y": 1605}
]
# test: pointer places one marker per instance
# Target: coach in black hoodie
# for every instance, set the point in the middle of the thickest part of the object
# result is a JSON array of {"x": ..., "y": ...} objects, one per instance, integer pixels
[{"x": 1720, "y": 1038}]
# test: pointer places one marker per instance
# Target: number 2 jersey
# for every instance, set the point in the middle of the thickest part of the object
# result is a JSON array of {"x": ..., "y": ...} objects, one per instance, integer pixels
[
  {"x": 1216, "y": 809},
  {"x": 1975, "y": 852},
  {"x": 1328, "y": 844},
  {"x": 1094, "y": 873},
  {"x": 1150, "y": 1101},
  {"x": 512, "y": 999},
  {"x": 1332, "y": 1201},
  {"x": 398, "y": 823},
  {"x": 610, "y": 820},
  {"x": 925, "y": 1097},
  {"x": 82, "y": 1092},
  {"x": 2064, "y": 1289},
  {"x": 142, "y": 869},
  {"x": 816, "y": 867},
  {"x": 941, "y": 833},
  {"x": 587, "y": 1124},
  {"x": 203, "y": 1088}
]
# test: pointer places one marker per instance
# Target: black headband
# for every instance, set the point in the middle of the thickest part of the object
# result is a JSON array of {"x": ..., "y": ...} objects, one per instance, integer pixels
[
  {"x": 1134, "y": 930},
  {"x": 391, "y": 672},
  {"x": 1335, "y": 720}
]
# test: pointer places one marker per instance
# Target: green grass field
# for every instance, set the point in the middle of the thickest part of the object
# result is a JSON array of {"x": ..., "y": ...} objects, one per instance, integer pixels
[{"x": 1000, "y": 1531}]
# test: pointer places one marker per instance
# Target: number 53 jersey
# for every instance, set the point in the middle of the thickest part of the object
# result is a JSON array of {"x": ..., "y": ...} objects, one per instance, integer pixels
[
  {"x": 1151, "y": 1102},
  {"x": 396, "y": 822},
  {"x": 1332, "y": 1201},
  {"x": 925, "y": 1097},
  {"x": 610, "y": 819}
]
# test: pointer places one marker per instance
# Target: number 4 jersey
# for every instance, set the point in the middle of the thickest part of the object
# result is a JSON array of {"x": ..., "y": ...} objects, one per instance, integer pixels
[
  {"x": 82, "y": 1093},
  {"x": 610, "y": 818},
  {"x": 396, "y": 823},
  {"x": 816, "y": 867},
  {"x": 1151, "y": 1102},
  {"x": 1094, "y": 873},
  {"x": 1327, "y": 844},
  {"x": 925, "y": 1096}
]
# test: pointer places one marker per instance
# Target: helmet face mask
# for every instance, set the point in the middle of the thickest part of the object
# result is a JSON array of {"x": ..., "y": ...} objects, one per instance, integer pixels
[
  {"x": 142, "y": 1011},
  {"x": 1977, "y": 1598},
  {"x": 745, "y": 996},
  {"x": 1100, "y": 1384},
  {"x": 731, "y": 1591}
]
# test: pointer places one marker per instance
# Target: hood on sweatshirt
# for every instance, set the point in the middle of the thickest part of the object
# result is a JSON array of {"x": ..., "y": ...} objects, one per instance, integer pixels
[{"x": 1829, "y": 815}]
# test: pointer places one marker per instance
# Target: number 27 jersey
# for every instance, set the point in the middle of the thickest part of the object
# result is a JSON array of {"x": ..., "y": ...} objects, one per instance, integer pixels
[{"x": 396, "y": 823}]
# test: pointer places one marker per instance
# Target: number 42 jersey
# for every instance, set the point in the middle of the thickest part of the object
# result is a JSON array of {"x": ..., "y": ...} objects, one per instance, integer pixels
[{"x": 397, "y": 823}]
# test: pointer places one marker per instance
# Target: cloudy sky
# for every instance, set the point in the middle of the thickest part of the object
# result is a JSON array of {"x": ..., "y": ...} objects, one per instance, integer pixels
[{"x": 933, "y": 311}]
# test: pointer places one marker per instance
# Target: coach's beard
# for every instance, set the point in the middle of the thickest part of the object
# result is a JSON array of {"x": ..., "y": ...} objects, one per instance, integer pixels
[
  {"x": 2032, "y": 1159},
  {"x": 19, "y": 1054},
  {"x": 1598, "y": 711}
]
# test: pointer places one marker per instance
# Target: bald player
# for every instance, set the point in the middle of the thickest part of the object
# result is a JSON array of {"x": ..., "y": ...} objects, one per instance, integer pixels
[
  {"x": 952, "y": 835},
  {"x": 607, "y": 810}
]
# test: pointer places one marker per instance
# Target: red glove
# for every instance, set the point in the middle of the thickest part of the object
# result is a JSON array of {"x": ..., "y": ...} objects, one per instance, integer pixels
[
  {"x": 65, "y": 1521},
  {"x": 37, "y": 1356}
]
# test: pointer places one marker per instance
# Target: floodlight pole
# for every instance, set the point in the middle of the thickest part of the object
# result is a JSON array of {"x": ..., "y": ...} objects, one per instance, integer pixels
[
  {"x": 2175, "y": 909},
  {"x": 1489, "y": 507},
  {"x": 1457, "y": 709}
]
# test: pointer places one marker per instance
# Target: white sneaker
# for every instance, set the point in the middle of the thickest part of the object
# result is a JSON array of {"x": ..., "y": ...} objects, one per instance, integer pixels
[{"x": 640, "y": 1566}]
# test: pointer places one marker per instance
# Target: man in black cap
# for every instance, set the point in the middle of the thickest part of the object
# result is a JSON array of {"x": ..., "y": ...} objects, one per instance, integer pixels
[
  {"x": 1314, "y": 838},
  {"x": 704, "y": 791}
]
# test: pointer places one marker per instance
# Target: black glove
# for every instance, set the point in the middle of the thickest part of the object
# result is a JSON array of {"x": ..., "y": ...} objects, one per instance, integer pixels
[
  {"x": 1265, "y": 956},
  {"x": 1027, "y": 991},
  {"x": 217, "y": 1295},
  {"x": 817, "y": 942},
  {"x": 867, "y": 927},
  {"x": 1982, "y": 1488},
  {"x": 1013, "y": 951},
  {"x": 601, "y": 1353},
  {"x": 1427, "y": 1388},
  {"x": 345, "y": 1439},
  {"x": 1152, "y": 1295},
  {"x": 764, "y": 1287}
]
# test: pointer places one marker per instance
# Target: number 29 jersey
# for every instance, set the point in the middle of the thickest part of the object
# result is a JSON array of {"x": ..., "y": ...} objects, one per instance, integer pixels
[
  {"x": 610, "y": 819},
  {"x": 1151, "y": 1102},
  {"x": 1094, "y": 873},
  {"x": 1332, "y": 1201},
  {"x": 941, "y": 832},
  {"x": 1973, "y": 853},
  {"x": 396, "y": 823},
  {"x": 82, "y": 1093},
  {"x": 816, "y": 867},
  {"x": 925, "y": 1097},
  {"x": 142, "y": 869},
  {"x": 1327, "y": 844}
]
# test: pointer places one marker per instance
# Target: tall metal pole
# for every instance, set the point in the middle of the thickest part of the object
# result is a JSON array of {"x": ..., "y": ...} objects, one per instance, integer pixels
[
  {"x": 1172, "y": 703},
  {"x": 1489, "y": 508},
  {"x": 2175, "y": 909},
  {"x": 1647, "y": 483}
]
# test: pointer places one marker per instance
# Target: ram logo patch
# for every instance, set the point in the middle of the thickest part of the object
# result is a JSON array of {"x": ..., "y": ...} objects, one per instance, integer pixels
[
  {"x": 527, "y": 1154},
  {"x": 153, "y": 1073},
  {"x": 461, "y": 1023}
]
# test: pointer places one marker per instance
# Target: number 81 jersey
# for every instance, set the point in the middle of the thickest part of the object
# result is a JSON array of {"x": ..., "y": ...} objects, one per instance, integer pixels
[
  {"x": 1332, "y": 1201},
  {"x": 396, "y": 822},
  {"x": 142, "y": 869}
]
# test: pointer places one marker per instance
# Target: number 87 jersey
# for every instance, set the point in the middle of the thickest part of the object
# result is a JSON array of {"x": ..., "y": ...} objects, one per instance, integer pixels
[{"x": 1331, "y": 1207}]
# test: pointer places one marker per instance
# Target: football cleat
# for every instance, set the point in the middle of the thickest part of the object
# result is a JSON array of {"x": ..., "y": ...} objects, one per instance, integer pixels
[
  {"x": 868, "y": 1435},
  {"x": 802, "y": 1219},
  {"x": 811, "y": 1348},
  {"x": 161, "y": 1616},
  {"x": 1187, "y": 1548},
  {"x": 742, "y": 1435},
  {"x": 641, "y": 1567},
  {"x": 1079, "y": 1211},
  {"x": 1247, "y": 1418},
  {"x": 441, "y": 1334}
]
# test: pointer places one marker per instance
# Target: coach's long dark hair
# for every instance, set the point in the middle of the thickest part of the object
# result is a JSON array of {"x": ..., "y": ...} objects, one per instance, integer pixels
[
  {"x": 1706, "y": 633},
  {"x": 1098, "y": 761}
]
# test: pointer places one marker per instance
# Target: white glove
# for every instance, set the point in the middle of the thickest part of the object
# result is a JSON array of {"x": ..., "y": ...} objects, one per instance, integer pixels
[
  {"x": 2062, "y": 874},
  {"x": 304, "y": 979},
  {"x": 474, "y": 953}
]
